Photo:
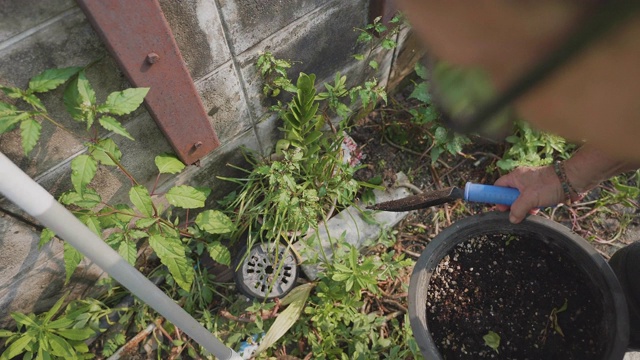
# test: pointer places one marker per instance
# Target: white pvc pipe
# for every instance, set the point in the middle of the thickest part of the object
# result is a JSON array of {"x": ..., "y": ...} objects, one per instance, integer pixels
[{"x": 20, "y": 189}]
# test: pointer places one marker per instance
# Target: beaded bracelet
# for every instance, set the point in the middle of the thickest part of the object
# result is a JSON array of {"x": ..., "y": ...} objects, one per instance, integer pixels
[{"x": 567, "y": 188}]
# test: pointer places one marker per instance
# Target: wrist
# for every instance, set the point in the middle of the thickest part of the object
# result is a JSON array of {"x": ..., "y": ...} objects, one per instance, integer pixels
[
  {"x": 580, "y": 182},
  {"x": 571, "y": 189}
]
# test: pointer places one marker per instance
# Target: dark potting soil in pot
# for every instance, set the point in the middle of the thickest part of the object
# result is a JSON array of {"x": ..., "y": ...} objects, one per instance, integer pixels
[{"x": 517, "y": 288}]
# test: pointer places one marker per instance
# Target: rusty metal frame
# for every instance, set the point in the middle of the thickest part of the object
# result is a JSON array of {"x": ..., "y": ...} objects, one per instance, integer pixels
[{"x": 138, "y": 36}]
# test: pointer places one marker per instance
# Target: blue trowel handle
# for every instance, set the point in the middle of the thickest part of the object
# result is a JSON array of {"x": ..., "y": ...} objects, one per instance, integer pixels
[{"x": 490, "y": 194}]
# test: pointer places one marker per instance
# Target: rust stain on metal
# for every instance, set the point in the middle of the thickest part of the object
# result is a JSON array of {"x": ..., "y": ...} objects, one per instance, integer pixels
[{"x": 139, "y": 38}]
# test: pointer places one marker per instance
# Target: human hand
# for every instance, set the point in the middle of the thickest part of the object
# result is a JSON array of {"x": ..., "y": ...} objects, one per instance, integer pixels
[{"x": 538, "y": 186}]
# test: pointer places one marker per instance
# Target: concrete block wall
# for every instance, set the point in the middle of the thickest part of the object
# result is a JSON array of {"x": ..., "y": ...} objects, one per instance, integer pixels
[{"x": 220, "y": 41}]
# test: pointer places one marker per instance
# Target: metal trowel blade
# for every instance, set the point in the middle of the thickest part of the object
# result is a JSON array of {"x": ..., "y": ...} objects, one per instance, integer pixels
[{"x": 421, "y": 201}]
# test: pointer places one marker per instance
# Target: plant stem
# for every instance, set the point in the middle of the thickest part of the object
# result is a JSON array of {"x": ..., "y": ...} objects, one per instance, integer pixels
[
  {"x": 155, "y": 185},
  {"x": 124, "y": 171}
]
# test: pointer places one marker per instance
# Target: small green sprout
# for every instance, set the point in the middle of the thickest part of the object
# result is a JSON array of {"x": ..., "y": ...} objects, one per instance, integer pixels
[
  {"x": 554, "y": 317},
  {"x": 492, "y": 340},
  {"x": 510, "y": 239}
]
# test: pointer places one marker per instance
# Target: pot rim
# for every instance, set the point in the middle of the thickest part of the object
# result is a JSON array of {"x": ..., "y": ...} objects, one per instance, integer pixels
[{"x": 571, "y": 244}]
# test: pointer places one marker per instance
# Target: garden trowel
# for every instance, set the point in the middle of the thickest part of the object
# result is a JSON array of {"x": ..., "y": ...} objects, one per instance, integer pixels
[{"x": 490, "y": 194}]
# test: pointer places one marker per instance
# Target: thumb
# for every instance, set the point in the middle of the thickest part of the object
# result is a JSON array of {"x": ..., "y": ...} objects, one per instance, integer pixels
[{"x": 520, "y": 208}]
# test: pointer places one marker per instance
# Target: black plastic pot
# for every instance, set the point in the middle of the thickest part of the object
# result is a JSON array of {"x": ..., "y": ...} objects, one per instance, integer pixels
[{"x": 570, "y": 244}]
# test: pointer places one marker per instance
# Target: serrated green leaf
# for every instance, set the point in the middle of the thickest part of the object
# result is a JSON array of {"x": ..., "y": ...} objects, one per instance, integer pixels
[
  {"x": 124, "y": 213},
  {"x": 219, "y": 253},
  {"x": 128, "y": 251},
  {"x": 114, "y": 239},
  {"x": 104, "y": 150},
  {"x": 136, "y": 234},
  {"x": 440, "y": 135},
  {"x": 30, "y": 132},
  {"x": 111, "y": 124},
  {"x": 287, "y": 318},
  {"x": 80, "y": 99},
  {"x": 187, "y": 197},
  {"x": 6, "y": 333},
  {"x": 421, "y": 93},
  {"x": 34, "y": 101},
  {"x": 51, "y": 79},
  {"x": 7, "y": 109},
  {"x": 123, "y": 102},
  {"x": 12, "y": 92},
  {"x": 421, "y": 71},
  {"x": 169, "y": 164},
  {"x": 87, "y": 95},
  {"x": 83, "y": 169},
  {"x": 145, "y": 223},
  {"x": 214, "y": 222},
  {"x": 72, "y": 101},
  {"x": 87, "y": 99},
  {"x": 388, "y": 44},
  {"x": 92, "y": 223},
  {"x": 88, "y": 200},
  {"x": 172, "y": 254},
  {"x": 9, "y": 121},
  {"x": 45, "y": 236},
  {"x": 72, "y": 258},
  {"x": 373, "y": 64},
  {"x": 139, "y": 196}
]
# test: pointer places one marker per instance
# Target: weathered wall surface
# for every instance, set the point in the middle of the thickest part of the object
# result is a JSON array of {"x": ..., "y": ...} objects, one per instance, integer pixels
[{"x": 220, "y": 40}]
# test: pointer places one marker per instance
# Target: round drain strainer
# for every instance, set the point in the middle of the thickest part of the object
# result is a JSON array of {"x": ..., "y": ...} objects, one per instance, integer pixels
[{"x": 266, "y": 272}]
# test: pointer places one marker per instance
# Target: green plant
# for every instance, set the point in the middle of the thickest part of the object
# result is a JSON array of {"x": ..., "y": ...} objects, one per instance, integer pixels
[
  {"x": 554, "y": 317},
  {"x": 329, "y": 319},
  {"x": 282, "y": 198},
  {"x": 441, "y": 139},
  {"x": 621, "y": 189},
  {"x": 378, "y": 30},
  {"x": 529, "y": 147},
  {"x": 274, "y": 73},
  {"x": 335, "y": 322},
  {"x": 55, "y": 336},
  {"x": 127, "y": 225},
  {"x": 492, "y": 340}
]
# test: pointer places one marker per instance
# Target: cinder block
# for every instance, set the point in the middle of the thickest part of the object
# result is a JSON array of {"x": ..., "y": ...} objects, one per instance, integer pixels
[
  {"x": 37, "y": 290},
  {"x": 17, "y": 16},
  {"x": 248, "y": 22},
  {"x": 224, "y": 102},
  {"x": 20, "y": 253},
  {"x": 196, "y": 26},
  {"x": 321, "y": 42},
  {"x": 68, "y": 42}
]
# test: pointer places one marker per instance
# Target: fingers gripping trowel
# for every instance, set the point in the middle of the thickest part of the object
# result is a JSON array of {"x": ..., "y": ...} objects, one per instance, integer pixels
[{"x": 472, "y": 192}]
